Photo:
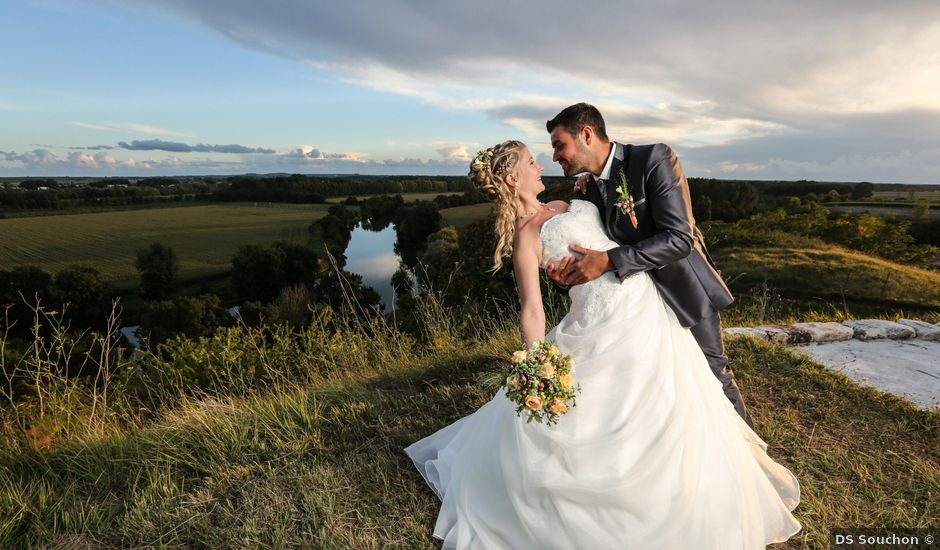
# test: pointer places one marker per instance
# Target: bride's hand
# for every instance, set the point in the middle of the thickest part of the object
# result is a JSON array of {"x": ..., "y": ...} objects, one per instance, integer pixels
[
  {"x": 556, "y": 271},
  {"x": 581, "y": 185}
]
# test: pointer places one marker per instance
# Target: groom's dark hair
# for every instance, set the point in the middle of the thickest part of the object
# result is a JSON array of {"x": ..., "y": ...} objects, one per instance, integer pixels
[{"x": 576, "y": 117}]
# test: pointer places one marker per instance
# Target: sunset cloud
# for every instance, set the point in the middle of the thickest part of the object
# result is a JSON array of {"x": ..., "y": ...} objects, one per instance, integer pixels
[
  {"x": 137, "y": 128},
  {"x": 178, "y": 147},
  {"x": 693, "y": 75},
  {"x": 804, "y": 90}
]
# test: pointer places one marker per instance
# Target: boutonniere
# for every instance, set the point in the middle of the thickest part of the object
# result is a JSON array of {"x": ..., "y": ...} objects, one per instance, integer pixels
[
  {"x": 625, "y": 205},
  {"x": 580, "y": 186}
]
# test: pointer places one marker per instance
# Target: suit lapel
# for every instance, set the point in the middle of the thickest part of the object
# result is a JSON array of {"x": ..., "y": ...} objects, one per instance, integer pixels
[{"x": 613, "y": 182}]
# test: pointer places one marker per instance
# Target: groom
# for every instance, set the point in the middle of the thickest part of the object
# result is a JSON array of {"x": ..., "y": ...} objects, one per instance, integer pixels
[{"x": 644, "y": 203}]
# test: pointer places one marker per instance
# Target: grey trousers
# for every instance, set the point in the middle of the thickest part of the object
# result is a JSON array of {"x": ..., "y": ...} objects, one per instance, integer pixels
[{"x": 708, "y": 335}]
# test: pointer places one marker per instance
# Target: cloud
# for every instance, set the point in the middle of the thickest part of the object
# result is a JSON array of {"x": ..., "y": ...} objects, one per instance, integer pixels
[
  {"x": 456, "y": 152},
  {"x": 307, "y": 158},
  {"x": 901, "y": 146},
  {"x": 695, "y": 75},
  {"x": 138, "y": 128},
  {"x": 36, "y": 157},
  {"x": 99, "y": 127},
  {"x": 154, "y": 131},
  {"x": 95, "y": 148},
  {"x": 301, "y": 159},
  {"x": 45, "y": 162},
  {"x": 307, "y": 153},
  {"x": 177, "y": 147},
  {"x": 80, "y": 160},
  {"x": 795, "y": 55}
]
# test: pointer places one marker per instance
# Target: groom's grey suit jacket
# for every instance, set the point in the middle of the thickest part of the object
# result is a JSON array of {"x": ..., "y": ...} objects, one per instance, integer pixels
[{"x": 666, "y": 241}]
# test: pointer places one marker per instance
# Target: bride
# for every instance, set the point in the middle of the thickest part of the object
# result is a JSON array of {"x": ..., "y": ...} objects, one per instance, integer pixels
[{"x": 652, "y": 457}]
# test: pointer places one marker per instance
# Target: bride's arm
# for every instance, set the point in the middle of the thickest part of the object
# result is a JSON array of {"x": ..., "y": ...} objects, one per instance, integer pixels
[{"x": 525, "y": 262}]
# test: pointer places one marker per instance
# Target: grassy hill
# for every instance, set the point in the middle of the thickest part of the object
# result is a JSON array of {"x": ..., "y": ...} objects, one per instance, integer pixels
[
  {"x": 297, "y": 442},
  {"x": 830, "y": 272},
  {"x": 782, "y": 277},
  {"x": 823, "y": 283}
]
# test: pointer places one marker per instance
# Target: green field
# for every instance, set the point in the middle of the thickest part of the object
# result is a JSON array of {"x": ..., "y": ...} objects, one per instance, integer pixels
[
  {"x": 204, "y": 237},
  {"x": 460, "y": 216},
  {"x": 928, "y": 195},
  {"x": 409, "y": 197},
  {"x": 884, "y": 209}
]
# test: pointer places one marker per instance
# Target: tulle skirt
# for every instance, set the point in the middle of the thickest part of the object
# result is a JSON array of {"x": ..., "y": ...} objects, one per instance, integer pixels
[{"x": 652, "y": 457}]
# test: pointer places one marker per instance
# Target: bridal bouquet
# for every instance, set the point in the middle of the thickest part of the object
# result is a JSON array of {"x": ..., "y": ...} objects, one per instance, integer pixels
[{"x": 540, "y": 381}]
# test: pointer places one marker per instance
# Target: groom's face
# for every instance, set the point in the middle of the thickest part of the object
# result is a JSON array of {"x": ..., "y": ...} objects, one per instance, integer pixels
[{"x": 570, "y": 152}]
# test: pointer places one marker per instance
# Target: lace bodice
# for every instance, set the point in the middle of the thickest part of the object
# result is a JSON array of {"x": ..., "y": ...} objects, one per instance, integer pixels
[{"x": 582, "y": 225}]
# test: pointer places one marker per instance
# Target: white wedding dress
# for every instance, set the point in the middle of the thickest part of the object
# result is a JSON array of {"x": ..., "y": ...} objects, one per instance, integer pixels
[{"x": 652, "y": 457}]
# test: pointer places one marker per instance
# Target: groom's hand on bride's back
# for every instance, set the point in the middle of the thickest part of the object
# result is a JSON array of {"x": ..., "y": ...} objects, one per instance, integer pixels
[{"x": 572, "y": 271}]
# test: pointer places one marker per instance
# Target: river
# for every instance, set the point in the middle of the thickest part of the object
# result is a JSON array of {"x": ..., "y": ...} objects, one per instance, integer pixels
[{"x": 372, "y": 255}]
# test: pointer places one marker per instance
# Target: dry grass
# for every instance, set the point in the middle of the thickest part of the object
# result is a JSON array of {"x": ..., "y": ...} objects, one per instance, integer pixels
[
  {"x": 317, "y": 462},
  {"x": 830, "y": 273}
]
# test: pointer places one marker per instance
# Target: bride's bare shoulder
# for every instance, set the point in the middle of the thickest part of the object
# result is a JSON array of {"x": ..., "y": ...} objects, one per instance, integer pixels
[{"x": 557, "y": 206}]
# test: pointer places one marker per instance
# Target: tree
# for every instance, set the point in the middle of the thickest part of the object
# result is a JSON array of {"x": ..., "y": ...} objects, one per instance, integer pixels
[
  {"x": 334, "y": 231},
  {"x": 832, "y": 196},
  {"x": 726, "y": 200},
  {"x": 256, "y": 314},
  {"x": 702, "y": 209},
  {"x": 477, "y": 241},
  {"x": 27, "y": 283},
  {"x": 256, "y": 271},
  {"x": 339, "y": 289},
  {"x": 413, "y": 224},
  {"x": 299, "y": 264},
  {"x": 158, "y": 266},
  {"x": 260, "y": 272},
  {"x": 190, "y": 316},
  {"x": 863, "y": 190},
  {"x": 88, "y": 295},
  {"x": 440, "y": 257}
]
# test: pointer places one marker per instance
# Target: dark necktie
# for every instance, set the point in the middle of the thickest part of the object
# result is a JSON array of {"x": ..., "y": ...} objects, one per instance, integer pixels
[{"x": 601, "y": 188}]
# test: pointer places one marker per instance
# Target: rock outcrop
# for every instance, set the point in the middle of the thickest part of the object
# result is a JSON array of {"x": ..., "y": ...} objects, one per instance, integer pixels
[{"x": 819, "y": 332}]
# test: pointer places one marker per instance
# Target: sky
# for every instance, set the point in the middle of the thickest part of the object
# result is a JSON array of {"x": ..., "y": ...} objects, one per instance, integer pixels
[{"x": 842, "y": 90}]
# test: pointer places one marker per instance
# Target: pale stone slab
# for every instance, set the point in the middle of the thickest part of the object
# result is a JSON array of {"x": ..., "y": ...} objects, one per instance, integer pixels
[
  {"x": 872, "y": 329},
  {"x": 826, "y": 332},
  {"x": 779, "y": 334},
  {"x": 907, "y": 368},
  {"x": 731, "y": 332},
  {"x": 925, "y": 331},
  {"x": 784, "y": 334},
  {"x": 773, "y": 333},
  {"x": 769, "y": 333}
]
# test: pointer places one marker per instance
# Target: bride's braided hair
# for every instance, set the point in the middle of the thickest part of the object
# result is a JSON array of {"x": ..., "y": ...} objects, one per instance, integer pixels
[{"x": 487, "y": 171}]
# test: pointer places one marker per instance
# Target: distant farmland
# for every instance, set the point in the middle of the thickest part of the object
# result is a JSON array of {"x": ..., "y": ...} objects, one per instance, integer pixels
[
  {"x": 204, "y": 237},
  {"x": 408, "y": 197},
  {"x": 460, "y": 216}
]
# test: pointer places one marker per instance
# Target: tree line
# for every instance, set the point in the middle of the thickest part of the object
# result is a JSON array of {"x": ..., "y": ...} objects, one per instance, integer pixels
[
  {"x": 296, "y": 188},
  {"x": 295, "y": 283}
]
